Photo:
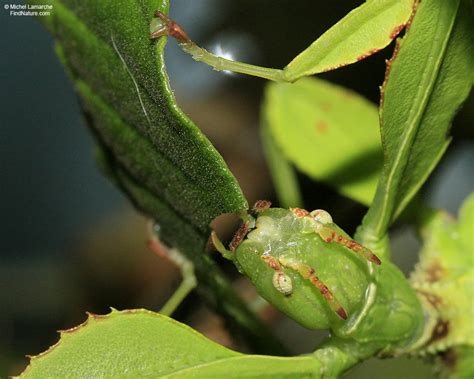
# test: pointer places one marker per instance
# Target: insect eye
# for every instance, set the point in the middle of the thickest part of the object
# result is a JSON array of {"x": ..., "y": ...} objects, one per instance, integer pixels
[
  {"x": 282, "y": 283},
  {"x": 321, "y": 216}
]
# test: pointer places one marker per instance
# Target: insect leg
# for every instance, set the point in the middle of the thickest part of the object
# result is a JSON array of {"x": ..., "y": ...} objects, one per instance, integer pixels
[
  {"x": 162, "y": 25},
  {"x": 185, "y": 266},
  {"x": 227, "y": 254},
  {"x": 247, "y": 225},
  {"x": 328, "y": 235},
  {"x": 307, "y": 272},
  {"x": 239, "y": 235}
]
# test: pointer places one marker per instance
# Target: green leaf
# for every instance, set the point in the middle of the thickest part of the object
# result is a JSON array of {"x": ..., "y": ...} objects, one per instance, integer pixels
[
  {"x": 147, "y": 145},
  {"x": 255, "y": 366},
  {"x": 327, "y": 132},
  {"x": 364, "y": 31},
  {"x": 134, "y": 343},
  {"x": 140, "y": 343},
  {"x": 125, "y": 93},
  {"x": 428, "y": 78}
]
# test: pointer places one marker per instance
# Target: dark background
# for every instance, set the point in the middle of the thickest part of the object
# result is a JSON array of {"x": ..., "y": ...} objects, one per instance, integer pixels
[{"x": 71, "y": 243}]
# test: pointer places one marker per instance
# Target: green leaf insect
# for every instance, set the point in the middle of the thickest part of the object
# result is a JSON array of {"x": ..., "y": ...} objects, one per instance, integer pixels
[{"x": 306, "y": 266}]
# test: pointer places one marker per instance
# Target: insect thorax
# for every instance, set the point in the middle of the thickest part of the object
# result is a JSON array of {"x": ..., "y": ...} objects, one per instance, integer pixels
[{"x": 279, "y": 232}]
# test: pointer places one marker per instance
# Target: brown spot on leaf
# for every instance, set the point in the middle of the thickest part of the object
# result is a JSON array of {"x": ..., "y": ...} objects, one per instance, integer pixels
[
  {"x": 388, "y": 66},
  {"x": 396, "y": 30},
  {"x": 390, "y": 61},
  {"x": 325, "y": 106},
  {"x": 321, "y": 127},
  {"x": 434, "y": 272},
  {"x": 330, "y": 68},
  {"x": 395, "y": 51},
  {"x": 440, "y": 331},
  {"x": 415, "y": 7},
  {"x": 368, "y": 54}
]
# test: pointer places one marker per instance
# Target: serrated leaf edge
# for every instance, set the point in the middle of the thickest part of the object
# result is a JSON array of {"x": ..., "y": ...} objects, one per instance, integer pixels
[{"x": 113, "y": 312}]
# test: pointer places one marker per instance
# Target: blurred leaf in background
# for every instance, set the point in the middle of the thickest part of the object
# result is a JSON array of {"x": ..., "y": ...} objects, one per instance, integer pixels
[{"x": 328, "y": 132}]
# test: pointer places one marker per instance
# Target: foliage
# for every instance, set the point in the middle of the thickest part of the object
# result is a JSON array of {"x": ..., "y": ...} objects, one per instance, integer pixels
[
  {"x": 140, "y": 343},
  {"x": 307, "y": 119},
  {"x": 361, "y": 33},
  {"x": 132, "y": 340},
  {"x": 151, "y": 150},
  {"x": 171, "y": 172},
  {"x": 444, "y": 278},
  {"x": 425, "y": 84}
]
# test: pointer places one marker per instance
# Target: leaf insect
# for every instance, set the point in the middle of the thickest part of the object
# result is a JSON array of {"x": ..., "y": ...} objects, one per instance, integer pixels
[{"x": 281, "y": 251}]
